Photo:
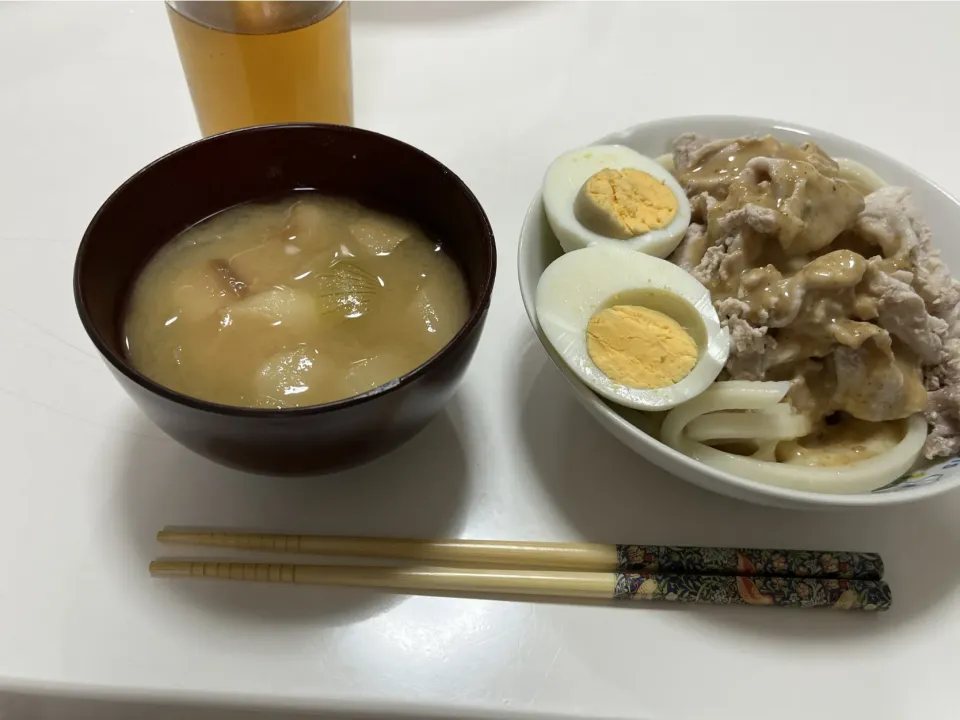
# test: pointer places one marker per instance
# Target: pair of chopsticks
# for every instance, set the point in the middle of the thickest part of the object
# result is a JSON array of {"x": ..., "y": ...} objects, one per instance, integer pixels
[{"x": 719, "y": 576}]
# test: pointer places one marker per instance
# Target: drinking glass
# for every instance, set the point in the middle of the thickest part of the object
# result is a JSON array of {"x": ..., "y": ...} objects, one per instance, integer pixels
[{"x": 256, "y": 63}]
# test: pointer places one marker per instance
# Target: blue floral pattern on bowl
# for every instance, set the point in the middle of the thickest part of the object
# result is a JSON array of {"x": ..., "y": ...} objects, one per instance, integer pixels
[{"x": 927, "y": 476}]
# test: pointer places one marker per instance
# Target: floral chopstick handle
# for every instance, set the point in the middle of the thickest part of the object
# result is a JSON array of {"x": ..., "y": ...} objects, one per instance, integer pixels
[
  {"x": 747, "y": 562},
  {"x": 840, "y": 594}
]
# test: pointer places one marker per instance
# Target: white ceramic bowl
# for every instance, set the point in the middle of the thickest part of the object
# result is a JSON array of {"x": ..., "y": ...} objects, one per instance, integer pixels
[{"x": 538, "y": 248}]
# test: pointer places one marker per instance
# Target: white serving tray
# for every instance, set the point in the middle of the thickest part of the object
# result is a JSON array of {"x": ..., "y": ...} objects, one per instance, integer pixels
[{"x": 91, "y": 92}]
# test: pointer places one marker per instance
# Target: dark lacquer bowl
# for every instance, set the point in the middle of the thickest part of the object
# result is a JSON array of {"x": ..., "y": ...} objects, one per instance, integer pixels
[{"x": 218, "y": 172}]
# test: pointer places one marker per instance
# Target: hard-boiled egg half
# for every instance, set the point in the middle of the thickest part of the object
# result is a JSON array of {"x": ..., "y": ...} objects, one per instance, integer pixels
[
  {"x": 612, "y": 195},
  {"x": 637, "y": 330}
]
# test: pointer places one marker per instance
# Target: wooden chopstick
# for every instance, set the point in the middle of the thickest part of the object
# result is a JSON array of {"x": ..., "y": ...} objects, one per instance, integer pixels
[
  {"x": 704, "y": 589},
  {"x": 595, "y": 557}
]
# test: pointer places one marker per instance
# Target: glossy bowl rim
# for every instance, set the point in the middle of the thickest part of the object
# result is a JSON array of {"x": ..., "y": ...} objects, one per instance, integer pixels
[
  {"x": 120, "y": 363},
  {"x": 606, "y": 416}
]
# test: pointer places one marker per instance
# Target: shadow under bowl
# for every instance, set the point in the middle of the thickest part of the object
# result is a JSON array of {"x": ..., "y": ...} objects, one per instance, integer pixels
[{"x": 219, "y": 172}]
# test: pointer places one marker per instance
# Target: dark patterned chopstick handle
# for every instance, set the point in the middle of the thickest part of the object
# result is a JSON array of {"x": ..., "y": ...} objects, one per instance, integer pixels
[
  {"x": 840, "y": 594},
  {"x": 826, "y": 564}
]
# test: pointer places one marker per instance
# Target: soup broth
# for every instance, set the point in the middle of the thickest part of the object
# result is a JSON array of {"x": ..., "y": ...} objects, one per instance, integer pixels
[{"x": 300, "y": 301}]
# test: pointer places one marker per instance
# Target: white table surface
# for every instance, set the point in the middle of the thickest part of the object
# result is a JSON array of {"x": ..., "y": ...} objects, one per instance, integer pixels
[{"x": 91, "y": 92}]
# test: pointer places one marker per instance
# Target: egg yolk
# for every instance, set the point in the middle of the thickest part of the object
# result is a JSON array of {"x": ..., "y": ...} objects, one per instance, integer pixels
[
  {"x": 639, "y": 347},
  {"x": 622, "y": 204}
]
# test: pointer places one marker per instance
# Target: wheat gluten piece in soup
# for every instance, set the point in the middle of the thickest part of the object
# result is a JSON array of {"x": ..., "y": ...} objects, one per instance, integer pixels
[{"x": 296, "y": 301}]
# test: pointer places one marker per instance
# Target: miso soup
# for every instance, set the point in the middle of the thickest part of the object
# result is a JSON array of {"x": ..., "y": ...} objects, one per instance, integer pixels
[{"x": 300, "y": 301}]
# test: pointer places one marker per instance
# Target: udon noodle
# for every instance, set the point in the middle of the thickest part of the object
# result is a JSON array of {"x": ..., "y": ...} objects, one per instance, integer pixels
[
  {"x": 759, "y": 416},
  {"x": 844, "y": 367}
]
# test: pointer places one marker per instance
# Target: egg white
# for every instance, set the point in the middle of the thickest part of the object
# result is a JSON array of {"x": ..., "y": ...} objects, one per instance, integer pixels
[
  {"x": 578, "y": 284},
  {"x": 567, "y": 174}
]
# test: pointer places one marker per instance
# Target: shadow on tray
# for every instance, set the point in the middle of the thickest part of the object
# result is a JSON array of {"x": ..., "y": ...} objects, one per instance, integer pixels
[{"x": 419, "y": 490}]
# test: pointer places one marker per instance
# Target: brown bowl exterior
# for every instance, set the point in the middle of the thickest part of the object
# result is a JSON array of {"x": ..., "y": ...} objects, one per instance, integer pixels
[{"x": 218, "y": 172}]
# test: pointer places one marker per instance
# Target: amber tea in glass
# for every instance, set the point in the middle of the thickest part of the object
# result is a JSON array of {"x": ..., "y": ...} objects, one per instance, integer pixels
[{"x": 255, "y": 63}]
